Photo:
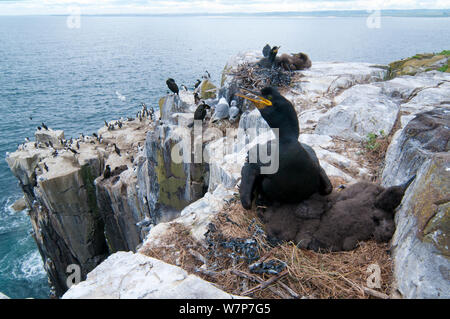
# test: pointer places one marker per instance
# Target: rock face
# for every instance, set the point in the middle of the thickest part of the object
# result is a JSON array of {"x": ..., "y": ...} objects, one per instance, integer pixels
[
  {"x": 421, "y": 242},
  {"x": 80, "y": 216},
  {"x": 137, "y": 276}
]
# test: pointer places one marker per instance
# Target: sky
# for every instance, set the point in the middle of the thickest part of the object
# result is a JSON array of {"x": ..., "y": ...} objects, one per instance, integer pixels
[{"x": 25, "y": 7}]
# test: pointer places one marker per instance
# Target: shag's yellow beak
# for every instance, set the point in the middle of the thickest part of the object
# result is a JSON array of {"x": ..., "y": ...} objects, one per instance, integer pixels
[{"x": 260, "y": 102}]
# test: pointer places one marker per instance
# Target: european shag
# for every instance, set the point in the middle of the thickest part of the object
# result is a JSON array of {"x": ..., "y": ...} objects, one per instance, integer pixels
[
  {"x": 172, "y": 85},
  {"x": 200, "y": 112},
  {"x": 270, "y": 60},
  {"x": 299, "y": 174}
]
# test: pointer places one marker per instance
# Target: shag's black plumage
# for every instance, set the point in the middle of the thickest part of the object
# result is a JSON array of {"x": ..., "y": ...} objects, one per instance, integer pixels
[
  {"x": 266, "y": 50},
  {"x": 200, "y": 112},
  {"x": 172, "y": 85},
  {"x": 299, "y": 173}
]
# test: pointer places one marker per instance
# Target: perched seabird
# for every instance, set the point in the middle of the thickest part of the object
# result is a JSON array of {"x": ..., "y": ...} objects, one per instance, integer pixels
[
  {"x": 206, "y": 76},
  {"x": 196, "y": 98},
  {"x": 184, "y": 87},
  {"x": 221, "y": 110},
  {"x": 172, "y": 85},
  {"x": 39, "y": 128},
  {"x": 200, "y": 113},
  {"x": 44, "y": 126},
  {"x": 299, "y": 174},
  {"x": 197, "y": 83},
  {"x": 46, "y": 167},
  {"x": 234, "y": 111},
  {"x": 72, "y": 150},
  {"x": 270, "y": 60},
  {"x": 107, "y": 172},
  {"x": 116, "y": 149}
]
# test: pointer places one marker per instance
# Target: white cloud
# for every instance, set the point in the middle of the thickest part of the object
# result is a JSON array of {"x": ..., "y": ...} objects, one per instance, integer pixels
[{"x": 210, "y": 6}]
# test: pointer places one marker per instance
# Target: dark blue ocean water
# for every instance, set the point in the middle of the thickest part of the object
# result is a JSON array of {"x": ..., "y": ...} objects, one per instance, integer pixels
[{"x": 68, "y": 78}]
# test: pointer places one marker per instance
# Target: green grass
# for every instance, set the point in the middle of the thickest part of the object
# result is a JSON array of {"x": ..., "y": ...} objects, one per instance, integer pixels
[
  {"x": 372, "y": 140},
  {"x": 445, "y": 52},
  {"x": 443, "y": 68}
]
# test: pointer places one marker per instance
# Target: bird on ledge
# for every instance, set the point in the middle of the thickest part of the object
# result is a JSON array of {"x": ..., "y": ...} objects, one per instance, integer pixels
[{"x": 299, "y": 173}]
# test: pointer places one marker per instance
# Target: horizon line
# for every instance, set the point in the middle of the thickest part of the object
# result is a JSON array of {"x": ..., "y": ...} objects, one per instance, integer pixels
[{"x": 443, "y": 13}]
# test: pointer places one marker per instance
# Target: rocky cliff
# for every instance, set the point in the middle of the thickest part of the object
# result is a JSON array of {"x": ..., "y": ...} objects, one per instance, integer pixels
[{"x": 80, "y": 217}]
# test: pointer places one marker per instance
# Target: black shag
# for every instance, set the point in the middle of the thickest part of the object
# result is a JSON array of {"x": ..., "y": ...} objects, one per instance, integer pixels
[
  {"x": 46, "y": 167},
  {"x": 44, "y": 126},
  {"x": 107, "y": 172},
  {"x": 200, "y": 112},
  {"x": 270, "y": 60},
  {"x": 197, "y": 83},
  {"x": 116, "y": 149},
  {"x": 172, "y": 85},
  {"x": 299, "y": 173}
]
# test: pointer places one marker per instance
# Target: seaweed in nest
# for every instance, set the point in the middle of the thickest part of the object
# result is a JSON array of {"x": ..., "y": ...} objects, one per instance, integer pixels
[{"x": 253, "y": 76}]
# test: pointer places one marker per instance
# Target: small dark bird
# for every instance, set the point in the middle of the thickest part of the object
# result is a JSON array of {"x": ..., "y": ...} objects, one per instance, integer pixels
[
  {"x": 116, "y": 149},
  {"x": 73, "y": 151},
  {"x": 299, "y": 173},
  {"x": 78, "y": 145},
  {"x": 197, "y": 83},
  {"x": 106, "y": 124},
  {"x": 31, "y": 118},
  {"x": 39, "y": 128},
  {"x": 172, "y": 85},
  {"x": 50, "y": 144},
  {"x": 46, "y": 167},
  {"x": 95, "y": 135},
  {"x": 44, "y": 126},
  {"x": 184, "y": 87},
  {"x": 207, "y": 75},
  {"x": 200, "y": 113},
  {"x": 270, "y": 60},
  {"x": 196, "y": 98},
  {"x": 119, "y": 123},
  {"x": 107, "y": 172}
]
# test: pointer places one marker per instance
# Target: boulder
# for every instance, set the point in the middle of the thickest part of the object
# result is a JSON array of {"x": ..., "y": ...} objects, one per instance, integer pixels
[
  {"x": 420, "y": 246},
  {"x": 126, "y": 275}
]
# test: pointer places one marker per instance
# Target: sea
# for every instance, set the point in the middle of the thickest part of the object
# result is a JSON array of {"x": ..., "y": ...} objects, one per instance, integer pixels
[{"x": 72, "y": 73}]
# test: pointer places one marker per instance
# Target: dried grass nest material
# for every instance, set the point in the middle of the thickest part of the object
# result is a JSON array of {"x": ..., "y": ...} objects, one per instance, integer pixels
[{"x": 304, "y": 274}]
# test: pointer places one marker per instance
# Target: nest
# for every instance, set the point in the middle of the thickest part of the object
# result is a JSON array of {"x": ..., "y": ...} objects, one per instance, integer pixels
[
  {"x": 253, "y": 76},
  {"x": 239, "y": 260}
]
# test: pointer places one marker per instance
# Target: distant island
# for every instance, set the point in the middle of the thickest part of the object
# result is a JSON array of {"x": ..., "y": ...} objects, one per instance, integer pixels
[{"x": 428, "y": 13}]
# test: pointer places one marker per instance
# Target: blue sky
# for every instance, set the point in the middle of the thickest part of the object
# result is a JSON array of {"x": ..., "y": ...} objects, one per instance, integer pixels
[{"x": 17, "y": 7}]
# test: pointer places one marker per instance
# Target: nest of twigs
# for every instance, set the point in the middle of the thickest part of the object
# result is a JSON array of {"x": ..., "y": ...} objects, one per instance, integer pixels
[
  {"x": 239, "y": 260},
  {"x": 253, "y": 76}
]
